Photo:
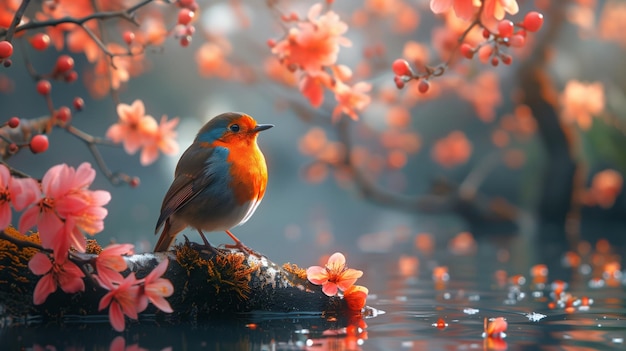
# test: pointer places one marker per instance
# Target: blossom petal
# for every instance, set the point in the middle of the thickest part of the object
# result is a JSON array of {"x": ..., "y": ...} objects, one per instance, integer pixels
[
  {"x": 330, "y": 289},
  {"x": 40, "y": 264},
  {"x": 5, "y": 215},
  {"x": 317, "y": 275},
  {"x": 348, "y": 278},
  {"x": 116, "y": 317},
  {"x": 336, "y": 262},
  {"x": 45, "y": 286}
]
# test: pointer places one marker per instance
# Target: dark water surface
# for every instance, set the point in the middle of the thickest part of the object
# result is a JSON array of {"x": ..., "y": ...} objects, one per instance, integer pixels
[{"x": 414, "y": 306}]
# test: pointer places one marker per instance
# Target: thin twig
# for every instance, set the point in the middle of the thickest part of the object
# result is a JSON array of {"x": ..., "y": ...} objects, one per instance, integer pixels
[{"x": 17, "y": 19}]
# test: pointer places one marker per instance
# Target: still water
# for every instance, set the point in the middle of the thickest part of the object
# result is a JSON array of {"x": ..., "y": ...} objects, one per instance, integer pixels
[{"x": 421, "y": 298}]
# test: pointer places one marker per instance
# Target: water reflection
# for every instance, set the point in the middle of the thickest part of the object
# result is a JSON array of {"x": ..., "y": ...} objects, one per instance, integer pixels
[{"x": 433, "y": 300}]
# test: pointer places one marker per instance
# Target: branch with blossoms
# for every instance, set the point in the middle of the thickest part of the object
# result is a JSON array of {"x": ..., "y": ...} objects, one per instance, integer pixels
[
  {"x": 498, "y": 33},
  {"x": 310, "y": 49},
  {"x": 127, "y": 287}
]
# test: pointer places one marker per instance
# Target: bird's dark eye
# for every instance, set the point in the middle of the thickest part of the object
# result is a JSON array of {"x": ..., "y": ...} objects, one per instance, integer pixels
[{"x": 234, "y": 128}]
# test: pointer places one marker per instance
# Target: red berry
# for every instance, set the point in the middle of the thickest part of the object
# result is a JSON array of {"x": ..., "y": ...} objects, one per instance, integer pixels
[
  {"x": 401, "y": 68},
  {"x": 79, "y": 103},
  {"x": 71, "y": 76},
  {"x": 506, "y": 59},
  {"x": 495, "y": 61},
  {"x": 190, "y": 30},
  {"x": 13, "y": 148},
  {"x": 399, "y": 82},
  {"x": 64, "y": 63},
  {"x": 40, "y": 41},
  {"x": 533, "y": 21},
  {"x": 38, "y": 144},
  {"x": 271, "y": 43},
  {"x": 185, "y": 16},
  {"x": 7, "y": 63},
  {"x": 517, "y": 41},
  {"x": 486, "y": 33},
  {"x": 128, "y": 37},
  {"x": 505, "y": 28},
  {"x": 467, "y": 51},
  {"x": 134, "y": 182},
  {"x": 423, "y": 86},
  {"x": 6, "y": 49},
  {"x": 43, "y": 87},
  {"x": 63, "y": 114},
  {"x": 13, "y": 122},
  {"x": 185, "y": 41}
]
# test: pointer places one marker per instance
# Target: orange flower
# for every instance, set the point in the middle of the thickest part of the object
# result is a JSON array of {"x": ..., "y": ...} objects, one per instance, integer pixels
[
  {"x": 314, "y": 43},
  {"x": 351, "y": 99},
  {"x": 606, "y": 187},
  {"x": 464, "y": 9},
  {"x": 334, "y": 276}
]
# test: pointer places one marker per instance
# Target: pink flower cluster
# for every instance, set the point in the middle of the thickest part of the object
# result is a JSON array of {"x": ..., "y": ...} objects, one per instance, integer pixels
[
  {"x": 311, "y": 49},
  {"x": 63, "y": 208},
  {"x": 136, "y": 130},
  {"x": 128, "y": 295},
  {"x": 493, "y": 10}
]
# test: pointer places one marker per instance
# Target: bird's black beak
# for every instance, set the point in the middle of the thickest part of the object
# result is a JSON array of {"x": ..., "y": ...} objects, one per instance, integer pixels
[{"x": 261, "y": 127}]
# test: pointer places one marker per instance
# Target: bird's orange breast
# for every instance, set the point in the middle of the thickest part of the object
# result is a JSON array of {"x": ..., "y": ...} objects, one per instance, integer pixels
[{"x": 248, "y": 170}]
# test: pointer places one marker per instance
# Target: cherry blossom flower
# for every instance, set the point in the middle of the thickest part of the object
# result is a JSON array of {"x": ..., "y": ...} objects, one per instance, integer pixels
[
  {"x": 334, "y": 276},
  {"x": 110, "y": 261},
  {"x": 314, "y": 43},
  {"x": 312, "y": 87},
  {"x": 66, "y": 208},
  {"x": 581, "y": 102},
  {"x": 134, "y": 128},
  {"x": 464, "y": 9},
  {"x": 164, "y": 140},
  {"x": 58, "y": 273},
  {"x": 351, "y": 99},
  {"x": 121, "y": 299},
  {"x": 156, "y": 289},
  {"x": 16, "y": 192}
]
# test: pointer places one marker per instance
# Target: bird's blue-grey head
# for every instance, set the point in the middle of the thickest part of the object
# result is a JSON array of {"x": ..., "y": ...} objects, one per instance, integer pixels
[{"x": 229, "y": 123}]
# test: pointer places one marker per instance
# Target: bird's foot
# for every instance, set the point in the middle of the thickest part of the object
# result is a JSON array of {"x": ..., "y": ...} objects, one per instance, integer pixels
[{"x": 241, "y": 247}]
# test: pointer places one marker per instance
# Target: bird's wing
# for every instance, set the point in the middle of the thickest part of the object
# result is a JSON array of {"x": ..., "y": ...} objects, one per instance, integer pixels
[{"x": 193, "y": 173}]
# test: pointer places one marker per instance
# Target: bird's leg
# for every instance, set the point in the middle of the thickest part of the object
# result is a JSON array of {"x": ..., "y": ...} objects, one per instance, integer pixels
[
  {"x": 207, "y": 243},
  {"x": 239, "y": 245}
]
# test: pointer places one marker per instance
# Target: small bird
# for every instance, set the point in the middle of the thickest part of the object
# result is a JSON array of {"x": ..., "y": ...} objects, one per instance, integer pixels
[{"x": 218, "y": 183}]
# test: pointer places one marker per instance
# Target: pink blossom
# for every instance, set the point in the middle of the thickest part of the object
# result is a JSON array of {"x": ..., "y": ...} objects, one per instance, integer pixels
[
  {"x": 121, "y": 299},
  {"x": 19, "y": 192},
  {"x": 63, "y": 273},
  {"x": 66, "y": 208},
  {"x": 110, "y": 261},
  {"x": 134, "y": 127},
  {"x": 334, "y": 276},
  {"x": 351, "y": 99},
  {"x": 156, "y": 289},
  {"x": 164, "y": 140},
  {"x": 314, "y": 43},
  {"x": 464, "y": 9}
]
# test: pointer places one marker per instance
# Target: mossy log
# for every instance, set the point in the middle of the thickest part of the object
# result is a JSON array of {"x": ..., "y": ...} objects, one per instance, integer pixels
[{"x": 207, "y": 285}]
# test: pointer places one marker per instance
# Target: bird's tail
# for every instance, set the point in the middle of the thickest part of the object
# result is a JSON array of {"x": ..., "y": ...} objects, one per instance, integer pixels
[{"x": 167, "y": 237}]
